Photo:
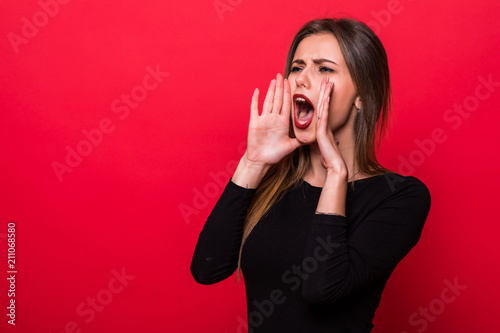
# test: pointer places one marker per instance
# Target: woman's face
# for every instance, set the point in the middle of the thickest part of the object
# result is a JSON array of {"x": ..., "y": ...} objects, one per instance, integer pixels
[{"x": 319, "y": 56}]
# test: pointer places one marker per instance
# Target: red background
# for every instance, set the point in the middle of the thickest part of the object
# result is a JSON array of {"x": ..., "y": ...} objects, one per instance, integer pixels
[{"x": 120, "y": 207}]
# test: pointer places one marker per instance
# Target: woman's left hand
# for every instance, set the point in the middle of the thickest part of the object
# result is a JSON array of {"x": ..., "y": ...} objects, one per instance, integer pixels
[{"x": 331, "y": 158}]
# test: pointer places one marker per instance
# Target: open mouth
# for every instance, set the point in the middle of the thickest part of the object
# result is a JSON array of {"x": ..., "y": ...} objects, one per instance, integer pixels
[{"x": 304, "y": 111}]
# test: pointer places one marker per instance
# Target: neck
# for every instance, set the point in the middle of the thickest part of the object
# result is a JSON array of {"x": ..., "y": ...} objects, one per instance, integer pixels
[{"x": 316, "y": 175}]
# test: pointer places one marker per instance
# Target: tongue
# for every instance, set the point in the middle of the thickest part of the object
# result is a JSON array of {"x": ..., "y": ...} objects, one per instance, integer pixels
[{"x": 305, "y": 113}]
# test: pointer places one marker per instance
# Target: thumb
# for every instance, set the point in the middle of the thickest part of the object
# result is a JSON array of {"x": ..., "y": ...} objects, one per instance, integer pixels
[{"x": 294, "y": 144}]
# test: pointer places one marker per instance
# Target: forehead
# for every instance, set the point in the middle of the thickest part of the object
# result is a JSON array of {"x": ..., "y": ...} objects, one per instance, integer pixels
[{"x": 319, "y": 46}]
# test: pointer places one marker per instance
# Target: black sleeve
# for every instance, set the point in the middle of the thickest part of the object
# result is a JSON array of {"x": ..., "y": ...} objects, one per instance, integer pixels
[
  {"x": 216, "y": 254},
  {"x": 348, "y": 260}
]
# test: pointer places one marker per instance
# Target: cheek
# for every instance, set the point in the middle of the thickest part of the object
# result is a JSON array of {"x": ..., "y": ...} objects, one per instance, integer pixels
[
  {"x": 342, "y": 99},
  {"x": 339, "y": 109}
]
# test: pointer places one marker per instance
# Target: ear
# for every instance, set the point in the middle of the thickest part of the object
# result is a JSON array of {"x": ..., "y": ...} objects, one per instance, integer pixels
[{"x": 357, "y": 102}]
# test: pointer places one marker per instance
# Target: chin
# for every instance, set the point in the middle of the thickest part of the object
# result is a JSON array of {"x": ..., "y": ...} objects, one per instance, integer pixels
[{"x": 305, "y": 136}]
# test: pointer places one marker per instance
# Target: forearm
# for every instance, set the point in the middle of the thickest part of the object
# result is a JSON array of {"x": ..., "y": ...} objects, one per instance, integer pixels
[
  {"x": 248, "y": 174},
  {"x": 216, "y": 253},
  {"x": 333, "y": 195},
  {"x": 351, "y": 253}
]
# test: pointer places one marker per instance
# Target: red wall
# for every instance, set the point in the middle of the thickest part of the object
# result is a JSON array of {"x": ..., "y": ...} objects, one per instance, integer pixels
[{"x": 96, "y": 180}]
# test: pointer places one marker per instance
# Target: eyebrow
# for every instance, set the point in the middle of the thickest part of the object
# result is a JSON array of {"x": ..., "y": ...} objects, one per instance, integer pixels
[{"x": 316, "y": 61}]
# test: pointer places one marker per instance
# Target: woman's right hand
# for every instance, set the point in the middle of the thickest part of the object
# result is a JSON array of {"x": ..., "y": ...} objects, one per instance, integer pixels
[{"x": 268, "y": 140}]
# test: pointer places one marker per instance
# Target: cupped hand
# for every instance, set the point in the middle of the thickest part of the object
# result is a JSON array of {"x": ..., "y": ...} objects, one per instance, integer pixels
[
  {"x": 268, "y": 139},
  {"x": 331, "y": 158}
]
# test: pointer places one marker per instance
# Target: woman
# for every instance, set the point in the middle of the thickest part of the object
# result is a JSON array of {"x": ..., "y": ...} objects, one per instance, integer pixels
[{"x": 315, "y": 223}]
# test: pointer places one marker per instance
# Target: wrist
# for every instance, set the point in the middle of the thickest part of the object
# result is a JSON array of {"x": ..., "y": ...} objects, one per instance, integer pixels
[
  {"x": 254, "y": 166},
  {"x": 248, "y": 174},
  {"x": 336, "y": 175}
]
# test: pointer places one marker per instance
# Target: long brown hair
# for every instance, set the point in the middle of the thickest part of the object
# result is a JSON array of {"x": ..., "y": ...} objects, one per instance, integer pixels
[{"x": 366, "y": 60}]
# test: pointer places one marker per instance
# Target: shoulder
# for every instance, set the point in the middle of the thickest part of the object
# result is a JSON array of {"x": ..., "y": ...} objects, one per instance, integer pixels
[
  {"x": 406, "y": 192},
  {"x": 392, "y": 189},
  {"x": 397, "y": 184},
  {"x": 392, "y": 183},
  {"x": 396, "y": 204}
]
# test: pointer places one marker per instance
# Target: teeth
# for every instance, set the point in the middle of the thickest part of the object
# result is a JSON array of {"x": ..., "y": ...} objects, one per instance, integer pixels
[{"x": 300, "y": 99}]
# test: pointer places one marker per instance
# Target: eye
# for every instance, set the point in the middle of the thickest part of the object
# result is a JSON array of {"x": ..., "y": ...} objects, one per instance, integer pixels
[
  {"x": 326, "y": 69},
  {"x": 295, "y": 69}
]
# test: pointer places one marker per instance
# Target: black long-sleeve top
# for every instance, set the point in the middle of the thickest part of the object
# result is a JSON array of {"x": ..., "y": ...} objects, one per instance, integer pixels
[{"x": 306, "y": 272}]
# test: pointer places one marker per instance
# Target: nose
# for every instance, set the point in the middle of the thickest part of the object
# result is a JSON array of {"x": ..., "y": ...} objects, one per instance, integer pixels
[{"x": 303, "y": 79}]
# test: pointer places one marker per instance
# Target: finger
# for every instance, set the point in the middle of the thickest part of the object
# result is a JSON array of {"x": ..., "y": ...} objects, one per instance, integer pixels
[
  {"x": 278, "y": 95},
  {"x": 329, "y": 90},
  {"x": 268, "y": 101},
  {"x": 334, "y": 141},
  {"x": 326, "y": 140},
  {"x": 294, "y": 144},
  {"x": 320, "y": 98},
  {"x": 287, "y": 104},
  {"x": 323, "y": 123},
  {"x": 254, "y": 106},
  {"x": 325, "y": 106}
]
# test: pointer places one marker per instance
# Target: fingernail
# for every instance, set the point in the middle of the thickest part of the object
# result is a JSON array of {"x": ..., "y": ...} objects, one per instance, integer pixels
[{"x": 327, "y": 79}]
